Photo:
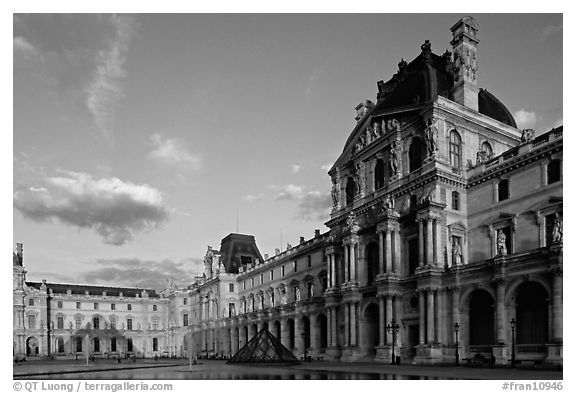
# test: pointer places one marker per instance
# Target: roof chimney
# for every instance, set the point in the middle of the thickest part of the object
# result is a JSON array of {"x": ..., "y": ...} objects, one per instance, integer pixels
[
  {"x": 316, "y": 232},
  {"x": 464, "y": 45}
]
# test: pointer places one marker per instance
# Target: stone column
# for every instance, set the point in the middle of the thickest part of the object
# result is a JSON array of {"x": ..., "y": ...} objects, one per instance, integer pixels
[
  {"x": 284, "y": 332},
  {"x": 421, "y": 316},
  {"x": 421, "y": 242},
  {"x": 346, "y": 324},
  {"x": 429, "y": 243},
  {"x": 329, "y": 328},
  {"x": 353, "y": 248},
  {"x": 334, "y": 276},
  {"x": 389, "y": 317},
  {"x": 234, "y": 340},
  {"x": 353, "y": 324},
  {"x": 388, "y": 251},
  {"x": 557, "y": 315},
  {"x": 334, "y": 324},
  {"x": 329, "y": 272},
  {"x": 298, "y": 339},
  {"x": 382, "y": 321},
  {"x": 346, "y": 263},
  {"x": 440, "y": 321},
  {"x": 430, "y": 328},
  {"x": 314, "y": 339},
  {"x": 397, "y": 262},
  {"x": 435, "y": 236},
  {"x": 500, "y": 311},
  {"x": 381, "y": 251}
]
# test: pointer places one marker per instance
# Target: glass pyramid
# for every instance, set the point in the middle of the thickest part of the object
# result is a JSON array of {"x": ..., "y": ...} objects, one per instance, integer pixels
[{"x": 264, "y": 347}]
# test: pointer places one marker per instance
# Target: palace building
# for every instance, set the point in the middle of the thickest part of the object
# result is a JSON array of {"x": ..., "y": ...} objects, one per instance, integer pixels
[{"x": 445, "y": 240}]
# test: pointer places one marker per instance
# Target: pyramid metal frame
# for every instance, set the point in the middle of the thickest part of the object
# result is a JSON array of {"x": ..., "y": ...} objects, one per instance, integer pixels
[{"x": 264, "y": 347}]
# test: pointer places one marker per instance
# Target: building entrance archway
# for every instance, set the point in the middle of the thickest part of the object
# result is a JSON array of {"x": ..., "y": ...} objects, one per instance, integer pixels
[
  {"x": 32, "y": 347},
  {"x": 369, "y": 329},
  {"x": 322, "y": 329},
  {"x": 481, "y": 321},
  {"x": 531, "y": 314}
]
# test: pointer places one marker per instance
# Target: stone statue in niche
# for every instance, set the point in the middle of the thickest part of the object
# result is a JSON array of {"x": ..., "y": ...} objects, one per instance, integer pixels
[
  {"x": 557, "y": 231},
  {"x": 335, "y": 193},
  {"x": 501, "y": 243},
  {"x": 389, "y": 203},
  {"x": 393, "y": 125},
  {"x": 297, "y": 293},
  {"x": 481, "y": 157},
  {"x": 368, "y": 135},
  {"x": 527, "y": 135},
  {"x": 361, "y": 180},
  {"x": 282, "y": 293},
  {"x": 377, "y": 129},
  {"x": 312, "y": 290},
  {"x": 431, "y": 136},
  {"x": 456, "y": 253},
  {"x": 394, "y": 158},
  {"x": 208, "y": 263}
]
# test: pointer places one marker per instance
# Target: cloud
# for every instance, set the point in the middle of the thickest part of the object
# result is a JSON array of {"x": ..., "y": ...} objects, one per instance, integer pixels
[
  {"x": 106, "y": 89},
  {"x": 326, "y": 167},
  {"x": 171, "y": 151},
  {"x": 24, "y": 47},
  {"x": 296, "y": 168},
  {"x": 140, "y": 273},
  {"x": 525, "y": 119},
  {"x": 253, "y": 197},
  {"x": 289, "y": 192},
  {"x": 549, "y": 31},
  {"x": 114, "y": 209},
  {"x": 314, "y": 205}
]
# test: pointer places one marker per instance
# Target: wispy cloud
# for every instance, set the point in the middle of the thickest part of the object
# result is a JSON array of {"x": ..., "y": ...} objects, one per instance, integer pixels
[
  {"x": 106, "y": 89},
  {"x": 24, "y": 47},
  {"x": 549, "y": 31},
  {"x": 115, "y": 209},
  {"x": 171, "y": 151},
  {"x": 326, "y": 167},
  {"x": 296, "y": 168},
  {"x": 143, "y": 273},
  {"x": 525, "y": 119},
  {"x": 288, "y": 192},
  {"x": 314, "y": 205},
  {"x": 253, "y": 197}
]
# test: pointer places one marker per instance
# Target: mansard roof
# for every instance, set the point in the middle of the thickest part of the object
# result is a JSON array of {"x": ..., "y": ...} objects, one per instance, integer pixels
[{"x": 94, "y": 290}]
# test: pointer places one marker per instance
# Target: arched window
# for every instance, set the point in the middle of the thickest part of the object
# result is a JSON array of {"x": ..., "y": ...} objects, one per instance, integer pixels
[
  {"x": 455, "y": 149},
  {"x": 60, "y": 344},
  {"x": 553, "y": 171},
  {"x": 78, "y": 344},
  {"x": 379, "y": 174},
  {"x": 503, "y": 190},
  {"x": 415, "y": 154},
  {"x": 455, "y": 200},
  {"x": 350, "y": 191},
  {"x": 96, "y": 344},
  {"x": 486, "y": 148}
]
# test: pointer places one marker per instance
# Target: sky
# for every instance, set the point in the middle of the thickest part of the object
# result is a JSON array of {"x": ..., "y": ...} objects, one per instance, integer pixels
[{"x": 139, "y": 140}]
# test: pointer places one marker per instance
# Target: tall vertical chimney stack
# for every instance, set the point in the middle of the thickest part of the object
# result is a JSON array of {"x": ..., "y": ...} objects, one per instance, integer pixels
[{"x": 464, "y": 46}]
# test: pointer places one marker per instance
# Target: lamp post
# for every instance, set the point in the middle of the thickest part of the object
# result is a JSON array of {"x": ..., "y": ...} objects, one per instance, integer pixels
[
  {"x": 513, "y": 326},
  {"x": 305, "y": 335},
  {"x": 393, "y": 329},
  {"x": 456, "y": 328}
]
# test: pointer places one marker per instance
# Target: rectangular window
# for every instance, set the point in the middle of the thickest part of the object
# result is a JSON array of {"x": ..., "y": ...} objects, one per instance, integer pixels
[
  {"x": 155, "y": 344},
  {"x": 272, "y": 275},
  {"x": 32, "y": 321},
  {"x": 78, "y": 323},
  {"x": 112, "y": 307},
  {"x": 59, "y": 303},
  {"x": 60, "y": 345},
  {"x": 261, "y": 278},
  {"x": 412, "y": 255},
  {"x": 185, "y": 319},
  {"x": 78, "y": 305},
  {"x": 282, "y": 271},
  {"x": 130, "y": 346},
  {"x": 252, "y": 282},
  {"x": 155, "y": 324},
  {"x": 455, "y": 200},
  {"x": 503, "y": 190},
  {"x": 129, "y": 307},
  {"x": 60, "y": 323},
  {"x": 112, "y": 323},
  {"x": 244, "y": 285},
  {"x": 96, "y": 321},
  {"x": 231, "y": 309},
  {"x": 78, "y": 344},
  {"x": 113, "y": 344},
  {"x": 31, "y": 302},
  {"x": 295, "y": 266},
  {"x": 95, "y": 306},
  {"x": 129, "y": 324},
  {"x": 231, "y": 288},
  {"x": 309, "y": 264},
  {"x": 185, "y": 301}
]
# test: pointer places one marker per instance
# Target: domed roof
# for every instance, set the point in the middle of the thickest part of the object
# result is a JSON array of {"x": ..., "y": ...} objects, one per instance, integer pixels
[{"x": 492, "y": 107}]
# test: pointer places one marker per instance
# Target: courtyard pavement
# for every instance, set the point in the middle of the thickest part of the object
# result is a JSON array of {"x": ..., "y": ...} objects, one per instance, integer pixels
[{"x": 217, "y": 369}]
